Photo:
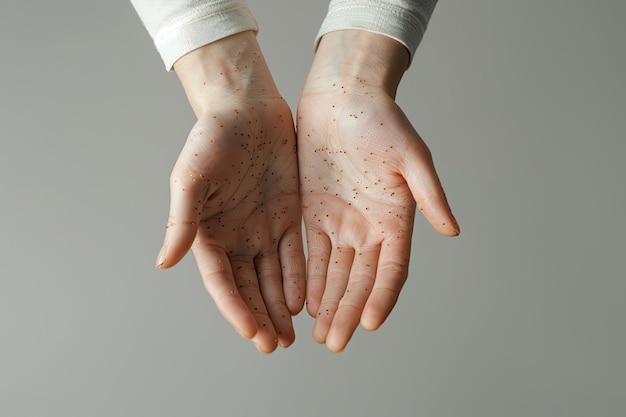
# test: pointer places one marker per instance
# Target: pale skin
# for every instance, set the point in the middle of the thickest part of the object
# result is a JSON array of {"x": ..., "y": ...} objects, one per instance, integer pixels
[
  {"x": 235, "y": 188},
  {"x": 363, "y": 169},
  {"x": 234, "y": 192}
]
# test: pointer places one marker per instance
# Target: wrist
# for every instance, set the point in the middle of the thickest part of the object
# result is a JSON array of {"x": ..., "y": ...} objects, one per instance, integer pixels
[
  {"x": 358, "y": 56},
  {"x": 230, "y": 67}
]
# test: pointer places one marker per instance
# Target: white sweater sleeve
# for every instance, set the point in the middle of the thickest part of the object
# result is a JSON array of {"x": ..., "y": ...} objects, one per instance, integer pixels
[
  {"x": 178, "y": 27},
  {"x": 402, "y": 20}
]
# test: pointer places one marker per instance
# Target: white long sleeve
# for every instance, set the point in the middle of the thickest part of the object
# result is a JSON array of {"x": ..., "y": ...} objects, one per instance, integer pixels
[
  {"x": 402, "y": 20},
  {"x": 180, "y": 26}
]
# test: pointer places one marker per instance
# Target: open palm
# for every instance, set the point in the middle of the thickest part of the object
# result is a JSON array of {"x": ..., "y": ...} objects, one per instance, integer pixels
[
  {"x": 362, "y": 169},
  {"x": 235, "y": 202}
]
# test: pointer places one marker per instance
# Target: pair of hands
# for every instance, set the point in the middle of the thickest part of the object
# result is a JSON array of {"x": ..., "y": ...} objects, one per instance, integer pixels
[{"x": 240, "y": 188}]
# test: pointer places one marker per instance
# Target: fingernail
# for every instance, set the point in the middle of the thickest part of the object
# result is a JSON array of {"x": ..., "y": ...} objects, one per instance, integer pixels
[
  {"x": 161, "y": 257},
  {"x": 455, "y": 224}
]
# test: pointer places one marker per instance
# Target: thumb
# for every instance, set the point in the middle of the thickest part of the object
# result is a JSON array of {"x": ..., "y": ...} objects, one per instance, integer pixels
[
  {"x": 188, "y": 193},
  {"x": 419, "y": 172}
]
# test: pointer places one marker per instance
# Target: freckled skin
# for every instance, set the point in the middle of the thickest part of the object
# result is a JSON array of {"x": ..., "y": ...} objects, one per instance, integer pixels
[
  {"x": 235, "y": 195},
  {"x": 363, "y": 169},
  {"x": 248, "y": 207}
]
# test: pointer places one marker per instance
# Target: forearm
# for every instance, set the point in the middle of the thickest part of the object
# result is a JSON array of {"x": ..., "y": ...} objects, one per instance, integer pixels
[
  {"x": 357, "y": 57},
  {"x": 230, "y": 67},
  {"x": 368, "y": 41}
]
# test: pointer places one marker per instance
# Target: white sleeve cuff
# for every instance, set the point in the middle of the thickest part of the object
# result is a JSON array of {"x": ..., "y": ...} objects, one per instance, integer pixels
[
  {"x": 179, "y": 27},
  {"x": 402, "y": 20}
]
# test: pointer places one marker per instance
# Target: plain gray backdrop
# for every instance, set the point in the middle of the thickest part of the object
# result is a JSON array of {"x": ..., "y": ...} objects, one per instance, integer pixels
[{"x": 523, "y": 104}]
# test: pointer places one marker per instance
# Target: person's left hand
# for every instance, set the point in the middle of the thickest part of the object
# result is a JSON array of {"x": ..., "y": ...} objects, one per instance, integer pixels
[{"x": 363, "y": 169}]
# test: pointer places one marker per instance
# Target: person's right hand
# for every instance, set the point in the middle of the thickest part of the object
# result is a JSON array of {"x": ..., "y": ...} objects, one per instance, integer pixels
[{"x": 234, "y": 192}]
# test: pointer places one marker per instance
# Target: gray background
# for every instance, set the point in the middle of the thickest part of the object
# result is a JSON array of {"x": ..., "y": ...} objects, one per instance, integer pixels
[{"x": 523, "y": 105}]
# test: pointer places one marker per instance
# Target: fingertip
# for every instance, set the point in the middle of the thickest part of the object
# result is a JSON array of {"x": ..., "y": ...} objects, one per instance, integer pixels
[
  {"x": 448, "y": 228},
  {"x": 178, "y": 240},
  {"x": 336, "y": 348},
  {"x": 454, "y": 233},
  {"x": 311, "y": 309},
  {"x": 455, "y": 227},
  {"x": 430, "y": 197},
  {"x": 241, "y": 319},
  {"x": 265, "y": 349},
  {"x": 284, "y": 341},
  {"x": 162, "y": 257},
  {"x": 295, "y": 309},
  {"x": 247, "y": 332},
  {"x": 377, "y": 309},
  {"x": 285, "y": 333},
  {"x": 336, "y": 345},
  {"x": 319, "y": 334},
  {"x": 440, "y": 217},
  {"x": 369, "y": 323},
  {"x": 266, "y": 341}
]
